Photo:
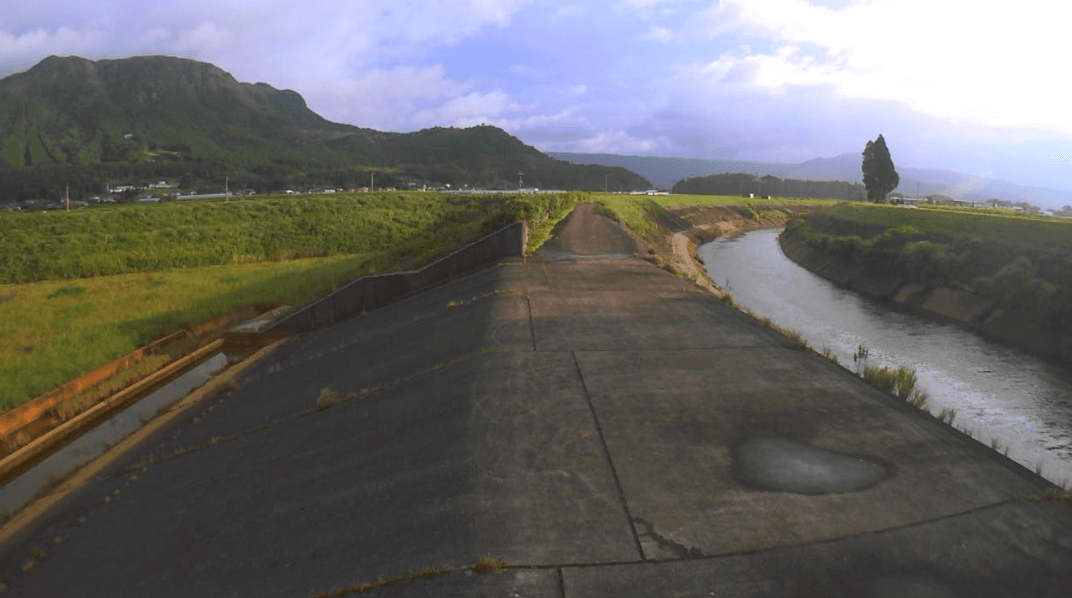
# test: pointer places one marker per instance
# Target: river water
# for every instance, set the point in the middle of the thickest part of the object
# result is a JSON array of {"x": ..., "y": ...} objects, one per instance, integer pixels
[{"x": 1002, "y": 396}]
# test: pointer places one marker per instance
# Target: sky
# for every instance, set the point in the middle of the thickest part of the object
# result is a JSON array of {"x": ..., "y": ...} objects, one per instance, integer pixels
[{"x": 974, "y": 86}]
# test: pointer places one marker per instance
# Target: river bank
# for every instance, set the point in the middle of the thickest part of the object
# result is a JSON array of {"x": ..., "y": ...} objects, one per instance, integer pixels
[
  {"x": 999, "y": 292},
  {"x": 680, "y": 231}
]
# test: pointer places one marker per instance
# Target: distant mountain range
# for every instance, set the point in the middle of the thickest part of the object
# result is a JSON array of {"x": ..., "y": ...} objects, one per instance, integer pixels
[
  {"x": 78, "y": 122},
  {"x": 664, "y": 172}
]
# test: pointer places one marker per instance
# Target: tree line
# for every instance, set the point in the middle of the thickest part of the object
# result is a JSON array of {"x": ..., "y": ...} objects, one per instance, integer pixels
[{"x": 744, "y": 184}]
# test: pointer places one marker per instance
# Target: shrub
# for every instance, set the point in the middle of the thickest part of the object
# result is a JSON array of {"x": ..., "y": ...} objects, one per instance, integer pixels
[
  {"x": 985, "y": 286},
  {"x": 1016, "y": 284},
  {"x": 848, "y": 246},
  {"x": 900, "y": 382}
]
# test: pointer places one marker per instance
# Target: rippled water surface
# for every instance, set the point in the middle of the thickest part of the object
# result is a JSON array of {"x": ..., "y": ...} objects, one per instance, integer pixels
[{"x": 1001, "y": 395}]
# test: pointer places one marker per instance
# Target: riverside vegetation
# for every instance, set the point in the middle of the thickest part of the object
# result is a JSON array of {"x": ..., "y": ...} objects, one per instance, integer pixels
[
  {"x": 1002, "y": 273},
  {"x": 80, "y": 288},
  {"x": 640, "y": 212}
]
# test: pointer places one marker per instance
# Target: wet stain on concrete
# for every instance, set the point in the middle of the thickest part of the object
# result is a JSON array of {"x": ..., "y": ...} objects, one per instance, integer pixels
[{"x": 784, "y": 465}]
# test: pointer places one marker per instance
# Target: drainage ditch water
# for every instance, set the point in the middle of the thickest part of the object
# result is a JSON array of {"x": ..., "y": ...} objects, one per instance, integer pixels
[
  {"x": 1004, "y": 397},
  {"x": 23, "y": 489}
]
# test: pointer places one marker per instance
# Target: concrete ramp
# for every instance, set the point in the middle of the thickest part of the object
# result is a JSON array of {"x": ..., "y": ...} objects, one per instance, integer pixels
[{"x": 551, "y": 427}]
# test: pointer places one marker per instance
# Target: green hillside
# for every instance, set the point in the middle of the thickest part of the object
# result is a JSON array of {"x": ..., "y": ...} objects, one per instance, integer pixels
[{"x": 72, "y": 121}]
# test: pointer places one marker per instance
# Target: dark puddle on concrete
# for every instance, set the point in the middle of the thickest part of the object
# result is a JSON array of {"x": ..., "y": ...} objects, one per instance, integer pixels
[
  {"x": 22, "y": 490},
  {"x": 783, "y": 465}
]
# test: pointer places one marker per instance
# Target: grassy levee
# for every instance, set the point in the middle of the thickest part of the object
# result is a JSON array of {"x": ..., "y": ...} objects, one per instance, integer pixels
[
  {"x": 632, "y": 210},
  {"x": 1001, "y": 226},
  {"x": 1004, "y": 274},
  {"x": 159, "y": 268}
]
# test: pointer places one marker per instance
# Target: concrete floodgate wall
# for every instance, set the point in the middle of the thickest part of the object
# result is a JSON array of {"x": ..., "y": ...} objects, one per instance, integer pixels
[{"x": 373, "y": 291}]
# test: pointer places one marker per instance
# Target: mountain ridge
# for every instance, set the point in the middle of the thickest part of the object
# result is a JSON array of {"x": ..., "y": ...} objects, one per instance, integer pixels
[{"x": 79, "y": 122}]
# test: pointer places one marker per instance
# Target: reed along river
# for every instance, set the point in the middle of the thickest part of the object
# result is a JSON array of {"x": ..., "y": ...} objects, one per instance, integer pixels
[{"x": 1002, "y": 396}]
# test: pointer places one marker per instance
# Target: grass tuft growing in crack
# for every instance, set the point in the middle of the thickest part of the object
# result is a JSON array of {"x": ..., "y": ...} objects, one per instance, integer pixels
[
  {"x": 491, "y": 564},
  {"x": 1056, "y": 495},
  {"x": 488, "y": 564},
  {"x": 328, "y": 397},
  {"x": 900, "y": 382}
]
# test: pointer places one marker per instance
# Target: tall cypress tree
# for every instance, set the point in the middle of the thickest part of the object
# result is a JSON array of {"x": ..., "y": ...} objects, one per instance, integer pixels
[{"x": 880, "y": 177}]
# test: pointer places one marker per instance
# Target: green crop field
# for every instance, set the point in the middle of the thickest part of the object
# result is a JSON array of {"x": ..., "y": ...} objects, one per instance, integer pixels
[
  {"x": 182, "y": 234},
  {"x": 1001, "y": 226},
  {"x": 630, "y": 209},
  {"x": 97, "y": 283}
]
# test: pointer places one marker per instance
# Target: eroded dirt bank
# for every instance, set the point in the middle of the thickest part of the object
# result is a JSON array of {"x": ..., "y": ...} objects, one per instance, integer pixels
[
  {"x": 680, "y": 231},
  {"x": 1018, "y": 315}
]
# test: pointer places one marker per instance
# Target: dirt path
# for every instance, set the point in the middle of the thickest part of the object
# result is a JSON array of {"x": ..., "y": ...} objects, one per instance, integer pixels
[{"x": 586, "y": 232}]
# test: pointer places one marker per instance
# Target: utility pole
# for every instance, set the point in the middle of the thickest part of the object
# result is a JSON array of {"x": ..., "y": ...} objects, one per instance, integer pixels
[
  {"x": 372, "y": 183},
  {"x": 227, "y": 189},
  {"x": 604, "y": 183},
  {"x": 68, "y": 195},
  {"x": 519, "y": 180}
]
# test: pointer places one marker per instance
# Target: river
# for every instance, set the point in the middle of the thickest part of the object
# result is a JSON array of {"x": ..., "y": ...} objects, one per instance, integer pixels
[{"x": 1004, "y": 397}]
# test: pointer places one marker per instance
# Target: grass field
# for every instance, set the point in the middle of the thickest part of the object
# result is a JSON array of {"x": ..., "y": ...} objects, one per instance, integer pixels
[
  {"x": 183, "y": 234},
  {"x": 990, "y": 225},
  {"x": 54, "y": 330},
  {"x": 630, "y": 209}
]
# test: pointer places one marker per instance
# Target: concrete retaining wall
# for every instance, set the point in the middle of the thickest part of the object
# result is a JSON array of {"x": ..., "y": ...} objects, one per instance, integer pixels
[{"x": 373, "y": 291}]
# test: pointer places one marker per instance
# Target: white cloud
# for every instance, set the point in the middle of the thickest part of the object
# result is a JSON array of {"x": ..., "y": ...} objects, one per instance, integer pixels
[
  {"x": 443, "y": 22},
  {"x": 567, "y": 11},
  {"x": 986, "y": 62},
  {"x": 647, "y": 3},
  {"x": 20, "y": 52},
  {"x": 470, "y": 109},
  {"x": 207, "y": 38},
  {"x": 659, "y": 34},
  {"x": 774, "y": 73},
  {"x": 385, "y": 98},
  {"x": 154, "y": 36},
  {"x": 538, "y": 122},
  {"x": 617, "y": 142}
]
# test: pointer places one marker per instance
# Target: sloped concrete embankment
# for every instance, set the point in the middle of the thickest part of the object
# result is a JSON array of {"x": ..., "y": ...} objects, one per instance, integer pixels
[
  {"x": 954, "y": 301},
  {"x": 374, "y": 291}
]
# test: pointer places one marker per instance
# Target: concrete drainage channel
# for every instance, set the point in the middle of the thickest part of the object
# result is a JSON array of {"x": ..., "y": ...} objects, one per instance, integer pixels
[{"x": 36, "y": 468}]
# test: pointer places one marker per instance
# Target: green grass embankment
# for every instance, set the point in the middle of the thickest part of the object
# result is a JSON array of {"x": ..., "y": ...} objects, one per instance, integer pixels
[
  {"x": 97, "y": 283},
  {"x": 1000, "y": 226},
  {"x": 1003, "y": 274},
  {"x": 634, "y": 210}
]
